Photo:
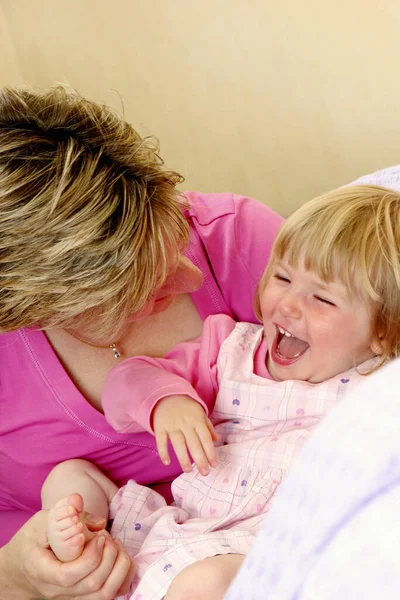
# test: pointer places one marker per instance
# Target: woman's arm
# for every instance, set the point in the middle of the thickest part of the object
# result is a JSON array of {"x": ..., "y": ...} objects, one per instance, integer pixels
[{"x": 29, "y": 570}]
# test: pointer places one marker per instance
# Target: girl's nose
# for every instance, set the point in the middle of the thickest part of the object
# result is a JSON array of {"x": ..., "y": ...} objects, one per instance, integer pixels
[{"x": 290, "y": 306}]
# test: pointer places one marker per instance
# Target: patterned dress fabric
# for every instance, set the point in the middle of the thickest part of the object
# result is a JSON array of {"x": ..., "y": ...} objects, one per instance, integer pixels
[
  {"x": 263, "y": 425},
  {"x": 334, "y": 531}
]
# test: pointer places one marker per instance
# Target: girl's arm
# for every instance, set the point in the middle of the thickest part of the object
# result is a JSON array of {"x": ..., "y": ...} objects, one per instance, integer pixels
[
  {"x": 133, "y": 388},
  {"x": 172, "y": 396}
]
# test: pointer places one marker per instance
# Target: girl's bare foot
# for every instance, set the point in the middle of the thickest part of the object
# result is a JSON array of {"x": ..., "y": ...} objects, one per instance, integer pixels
[{"x": 66, "y": 531}]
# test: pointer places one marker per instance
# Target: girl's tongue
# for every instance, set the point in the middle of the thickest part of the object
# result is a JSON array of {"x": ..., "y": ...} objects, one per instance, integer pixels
[{"x": 290, "y": 346}]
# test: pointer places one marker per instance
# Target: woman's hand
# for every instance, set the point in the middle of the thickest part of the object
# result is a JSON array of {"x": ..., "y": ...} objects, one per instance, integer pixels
[
  {"x": 29, "y": 569},
  {"x": 183, "y": 421}
]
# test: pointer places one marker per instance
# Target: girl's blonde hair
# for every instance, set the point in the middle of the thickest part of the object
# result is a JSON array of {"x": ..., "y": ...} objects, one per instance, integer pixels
[
  {"x": 352, "y": 234},
  {"x": 90, "y": 220}
]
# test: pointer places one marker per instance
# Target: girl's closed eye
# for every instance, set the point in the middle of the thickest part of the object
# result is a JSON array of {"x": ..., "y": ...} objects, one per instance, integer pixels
[
  {"x": 325, "y": 301},
  {"x": 281, "y": 277}
]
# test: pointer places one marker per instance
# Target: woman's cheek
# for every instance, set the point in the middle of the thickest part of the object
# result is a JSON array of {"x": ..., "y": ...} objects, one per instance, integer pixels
[{"x": 142, "y": 313}]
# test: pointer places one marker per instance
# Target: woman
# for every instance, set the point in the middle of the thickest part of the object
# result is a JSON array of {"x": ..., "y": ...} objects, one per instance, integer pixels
[{"x": 100, "y": 259}]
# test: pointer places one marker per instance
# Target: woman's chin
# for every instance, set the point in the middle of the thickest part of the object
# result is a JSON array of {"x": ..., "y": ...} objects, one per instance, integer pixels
[
  {"x": 155, "y": 308},
  {"x": 162, "y": 305}
]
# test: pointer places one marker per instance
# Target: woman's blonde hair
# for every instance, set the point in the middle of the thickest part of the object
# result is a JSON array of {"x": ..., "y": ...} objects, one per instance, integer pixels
[
  {"x": 352, "y": 234},
  {"x": 89, "y": 216}
]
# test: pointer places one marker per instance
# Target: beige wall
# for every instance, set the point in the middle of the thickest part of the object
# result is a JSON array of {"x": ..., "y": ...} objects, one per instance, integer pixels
[
  {"x": 9, "y": 71},
  {"x": 280, "y": 100}
]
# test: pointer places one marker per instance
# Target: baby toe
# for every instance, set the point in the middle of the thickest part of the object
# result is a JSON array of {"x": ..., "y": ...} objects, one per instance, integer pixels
[{"x": 68, "y": 523}]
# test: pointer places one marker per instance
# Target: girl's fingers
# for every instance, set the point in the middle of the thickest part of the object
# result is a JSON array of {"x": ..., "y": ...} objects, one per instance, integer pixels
[
  {"x": 178, "y": 442},
  {"x": 162, "y": 446},
  {"x": 205, "y": 436},
  {"x": 197, "y": 451},
  {"x": 215, "y": 436}
]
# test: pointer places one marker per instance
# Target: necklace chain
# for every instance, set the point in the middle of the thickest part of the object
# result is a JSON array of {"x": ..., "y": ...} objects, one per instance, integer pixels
[{"x": 112, "y": 346}]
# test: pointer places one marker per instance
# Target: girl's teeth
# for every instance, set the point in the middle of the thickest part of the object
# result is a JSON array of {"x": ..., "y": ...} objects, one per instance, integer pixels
[{"x": 283, "y": 332}]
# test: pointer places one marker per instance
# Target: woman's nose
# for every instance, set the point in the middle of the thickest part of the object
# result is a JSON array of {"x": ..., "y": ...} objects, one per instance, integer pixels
[{"x": 290, "y": 305}]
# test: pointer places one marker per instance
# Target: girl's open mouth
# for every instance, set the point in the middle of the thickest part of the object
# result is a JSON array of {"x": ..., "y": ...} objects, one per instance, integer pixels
[{"x": 287, "y": 348}]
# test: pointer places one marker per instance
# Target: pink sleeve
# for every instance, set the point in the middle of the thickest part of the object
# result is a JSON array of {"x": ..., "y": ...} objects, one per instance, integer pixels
[
  {"x": 134, "y": 387},
  {"x": 232, "y": 238}
]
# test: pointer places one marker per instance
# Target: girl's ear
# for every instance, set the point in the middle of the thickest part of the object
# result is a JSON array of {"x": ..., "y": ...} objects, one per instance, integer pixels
[{"x": 378, "y": 346}]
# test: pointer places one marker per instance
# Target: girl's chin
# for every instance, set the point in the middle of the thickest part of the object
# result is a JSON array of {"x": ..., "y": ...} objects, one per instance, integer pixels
[{"x": 282, "y": 372}]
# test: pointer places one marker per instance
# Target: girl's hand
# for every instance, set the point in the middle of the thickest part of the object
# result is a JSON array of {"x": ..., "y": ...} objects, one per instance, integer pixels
[
  {"x": 183, "y": 421},
  {"x": 29, "y": 569}
]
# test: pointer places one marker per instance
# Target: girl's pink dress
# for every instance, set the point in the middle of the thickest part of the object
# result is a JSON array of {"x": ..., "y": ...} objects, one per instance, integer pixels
[{"x": 262, "y": 423}]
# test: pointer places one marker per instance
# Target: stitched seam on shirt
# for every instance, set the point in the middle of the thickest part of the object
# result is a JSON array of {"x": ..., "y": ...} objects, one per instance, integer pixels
[
  {"x": 66, "y": 409},
  {"x": 253, "y": 279},
  {"x": 209, "y": 286}
]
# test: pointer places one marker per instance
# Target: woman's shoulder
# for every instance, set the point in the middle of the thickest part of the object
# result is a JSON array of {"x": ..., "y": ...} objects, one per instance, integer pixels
[
  {"x": 236, "y": 224},
  {"x": 206, "y": 208},
  {"x": 234, "y": 227},
  {"x": 231, "y": 242},
  {"x": 12, "y": 351}
]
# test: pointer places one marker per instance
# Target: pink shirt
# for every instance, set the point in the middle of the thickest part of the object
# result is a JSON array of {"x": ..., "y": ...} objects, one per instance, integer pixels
[{"x": 44, "y": 419}]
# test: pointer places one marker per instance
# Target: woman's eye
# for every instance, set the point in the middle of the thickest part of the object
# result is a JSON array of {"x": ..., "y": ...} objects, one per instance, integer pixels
[{"x": 325, "y": 301}]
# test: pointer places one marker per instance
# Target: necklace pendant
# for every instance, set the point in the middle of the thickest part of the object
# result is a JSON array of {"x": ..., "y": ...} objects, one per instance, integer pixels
[{"x": 115, "y": 351}]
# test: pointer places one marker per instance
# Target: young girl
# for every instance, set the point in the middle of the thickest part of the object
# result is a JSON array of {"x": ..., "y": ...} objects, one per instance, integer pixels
[{"x": 329, "y": 303}]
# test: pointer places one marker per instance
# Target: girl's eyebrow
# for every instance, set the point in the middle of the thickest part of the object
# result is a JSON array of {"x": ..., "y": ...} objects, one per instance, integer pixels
[
  {"x": 338, "y": 289},
  {"x": 326, "y": 286},
  {"x": 317, "y": 281},
  {"x": 322, "y": 285},
  {"x": 280, "y": 264}
]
